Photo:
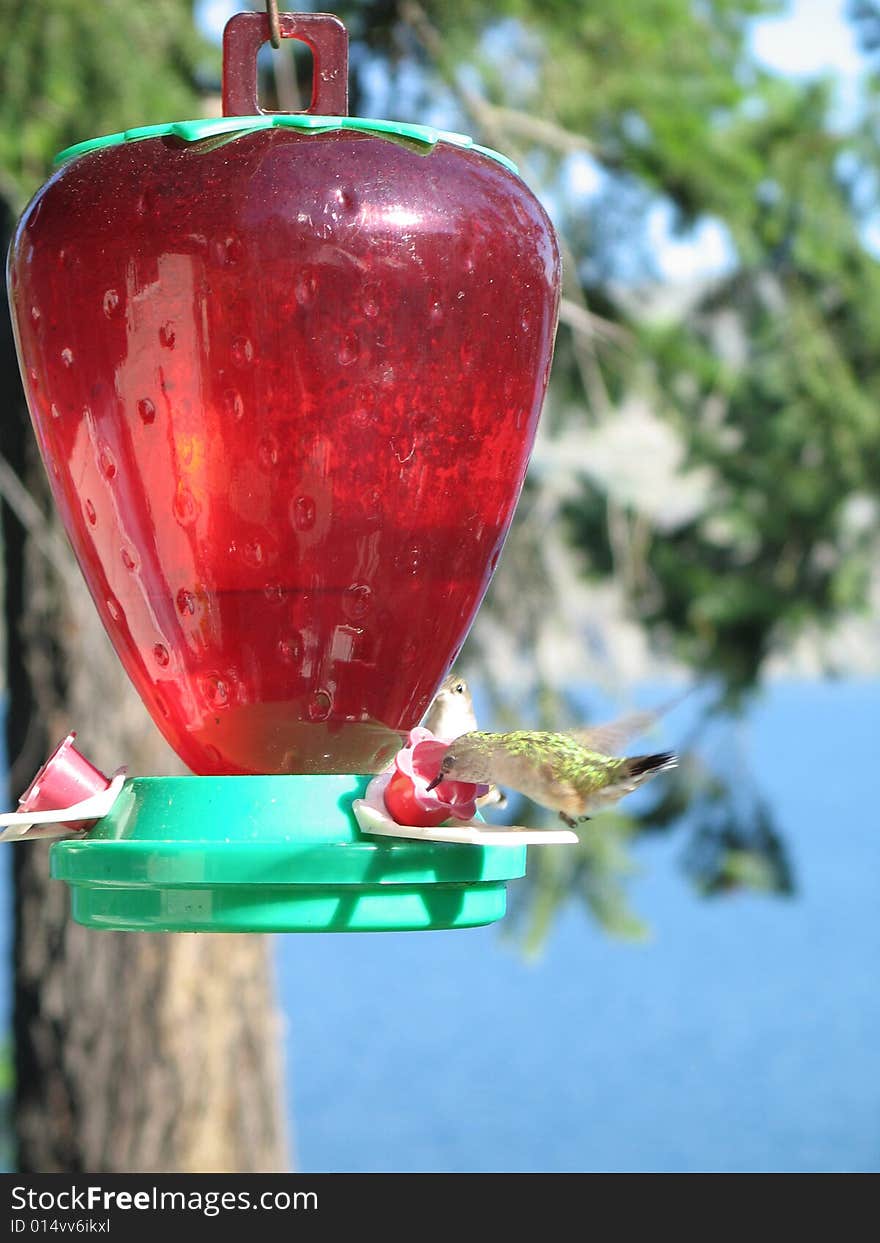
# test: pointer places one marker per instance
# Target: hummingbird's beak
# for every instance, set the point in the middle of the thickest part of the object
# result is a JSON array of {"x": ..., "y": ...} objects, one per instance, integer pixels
[{"x": 436, "y": 780}]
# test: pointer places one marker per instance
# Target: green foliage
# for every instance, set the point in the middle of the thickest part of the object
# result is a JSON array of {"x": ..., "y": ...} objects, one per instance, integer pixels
[{"x": 71, "y": 70}]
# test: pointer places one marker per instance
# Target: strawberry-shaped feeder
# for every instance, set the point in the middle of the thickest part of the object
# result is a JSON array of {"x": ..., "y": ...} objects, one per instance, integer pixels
[{"x": 285, "y": 372}]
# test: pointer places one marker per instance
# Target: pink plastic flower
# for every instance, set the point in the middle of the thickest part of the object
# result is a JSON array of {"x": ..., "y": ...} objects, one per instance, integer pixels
[{"x": 407, "y": 797}]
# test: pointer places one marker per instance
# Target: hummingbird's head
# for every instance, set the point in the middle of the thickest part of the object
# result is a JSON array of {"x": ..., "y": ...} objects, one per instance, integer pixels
[
  {"x": 452, "y": 712},
  {"x": 453, "y": 688},
  {"x": 447, "y": 770}
]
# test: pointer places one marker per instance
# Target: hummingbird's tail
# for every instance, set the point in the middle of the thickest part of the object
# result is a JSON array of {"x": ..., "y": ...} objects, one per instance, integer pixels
[
  {"x": 630, "y": 774},
  {"x": 647, "y": 765}
]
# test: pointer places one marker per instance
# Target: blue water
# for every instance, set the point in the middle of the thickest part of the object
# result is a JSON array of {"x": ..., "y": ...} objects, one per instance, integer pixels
[{"x": 744, "y": 1037}]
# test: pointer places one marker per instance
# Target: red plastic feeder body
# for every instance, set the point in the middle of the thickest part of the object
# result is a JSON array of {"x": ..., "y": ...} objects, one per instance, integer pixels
[{"x": 285, "y": 383}]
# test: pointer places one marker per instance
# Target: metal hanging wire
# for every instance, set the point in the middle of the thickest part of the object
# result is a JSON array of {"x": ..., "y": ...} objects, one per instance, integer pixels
[{"x": 274, "y": 23}]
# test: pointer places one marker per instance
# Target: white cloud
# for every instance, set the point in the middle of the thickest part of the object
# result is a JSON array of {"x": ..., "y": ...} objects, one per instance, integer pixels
[{"x": 813, "y": 37}]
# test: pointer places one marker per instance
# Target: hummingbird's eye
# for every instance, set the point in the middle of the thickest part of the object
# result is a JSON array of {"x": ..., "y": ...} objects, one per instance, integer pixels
[{"x": 459, "y": 688}]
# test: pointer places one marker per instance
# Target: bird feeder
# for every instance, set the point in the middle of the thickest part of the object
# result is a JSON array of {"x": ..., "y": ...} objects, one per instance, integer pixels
[{"x": 285, "y": 372}]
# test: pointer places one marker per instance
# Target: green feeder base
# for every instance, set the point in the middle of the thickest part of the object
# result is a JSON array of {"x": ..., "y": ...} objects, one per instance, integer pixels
[{"x": 270, "y": 854}]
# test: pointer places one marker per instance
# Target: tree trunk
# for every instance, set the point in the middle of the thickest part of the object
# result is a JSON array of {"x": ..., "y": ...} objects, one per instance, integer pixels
[{"x": 133, "y": 1052}]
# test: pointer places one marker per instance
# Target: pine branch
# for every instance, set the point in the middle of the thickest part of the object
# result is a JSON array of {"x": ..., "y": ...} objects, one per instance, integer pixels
[{"x": 33, "y": 520}]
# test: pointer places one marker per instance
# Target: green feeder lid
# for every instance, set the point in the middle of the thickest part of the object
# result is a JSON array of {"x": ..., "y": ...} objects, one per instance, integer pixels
[
  {"x": 234, "y": 127},
  {"x": 270, "y": 854}
]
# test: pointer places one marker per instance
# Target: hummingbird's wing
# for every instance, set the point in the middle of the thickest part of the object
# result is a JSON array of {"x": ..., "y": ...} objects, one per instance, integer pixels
[{"x": 612, "y": 737}]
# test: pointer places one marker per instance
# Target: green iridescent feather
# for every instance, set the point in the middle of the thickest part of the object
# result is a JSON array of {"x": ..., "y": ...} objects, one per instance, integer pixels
[{"x": 572, "y": 764}]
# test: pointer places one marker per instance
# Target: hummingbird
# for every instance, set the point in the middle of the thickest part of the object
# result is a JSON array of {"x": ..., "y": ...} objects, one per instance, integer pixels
[
  {"x": 571, "y": 773},
  {"x": 452, "y": 710},
  {"x": 450, "y": 715}
]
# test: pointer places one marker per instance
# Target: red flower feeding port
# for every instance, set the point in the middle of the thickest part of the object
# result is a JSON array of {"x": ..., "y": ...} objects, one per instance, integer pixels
[{"x": 285, "y": 373}]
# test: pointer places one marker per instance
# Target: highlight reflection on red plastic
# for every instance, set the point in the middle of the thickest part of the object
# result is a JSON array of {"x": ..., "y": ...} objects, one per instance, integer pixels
[{"x": 285, "y": 387}]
